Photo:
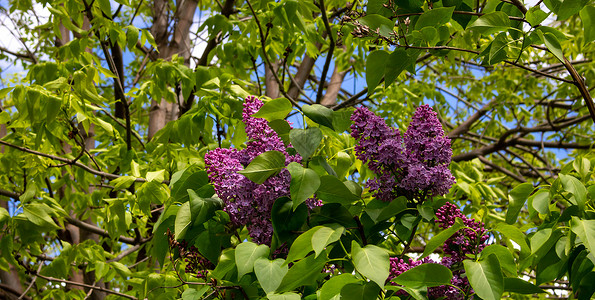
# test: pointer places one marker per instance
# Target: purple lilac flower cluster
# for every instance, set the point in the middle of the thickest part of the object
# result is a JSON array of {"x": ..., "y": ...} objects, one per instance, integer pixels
[
  {"x": 246, "y": 202},
  {"x": 470, "y": 240},
  {"x": 466, "y": 241},
  {"x": 415, "y": 164}
]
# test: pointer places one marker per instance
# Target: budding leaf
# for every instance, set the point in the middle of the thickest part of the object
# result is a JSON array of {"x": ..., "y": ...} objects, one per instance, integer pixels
[{"x": 264, "y": 166}]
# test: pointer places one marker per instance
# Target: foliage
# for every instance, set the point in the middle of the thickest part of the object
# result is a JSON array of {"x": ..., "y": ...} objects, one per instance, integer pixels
[{"x": 134, "y": 167}]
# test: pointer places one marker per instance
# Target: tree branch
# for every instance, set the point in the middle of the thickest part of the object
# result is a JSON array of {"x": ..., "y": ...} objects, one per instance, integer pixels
[{"x": 329, "y": 55}]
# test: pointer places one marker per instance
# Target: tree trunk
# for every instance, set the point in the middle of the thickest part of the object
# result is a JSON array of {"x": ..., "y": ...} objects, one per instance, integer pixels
[
  {"x": 334, "y": 86},
  {"x": 9, "y": 278},
  {"x": 272, "y": 87},
  {"x": 162, "y": 112}
]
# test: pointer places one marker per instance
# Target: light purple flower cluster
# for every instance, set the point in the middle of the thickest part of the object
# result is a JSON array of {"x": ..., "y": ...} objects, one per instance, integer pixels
[
  {"x": 466, "y": 241},
  {"x": 415, "y": 164},
  {"x": 246, "y": 202}
]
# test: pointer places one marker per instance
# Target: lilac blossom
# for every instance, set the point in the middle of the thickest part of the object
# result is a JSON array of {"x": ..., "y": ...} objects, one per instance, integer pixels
[
  {"x": 246, "y": 202},
  {"x": 415, "y": 164},
  {"x": 456, "y": 248},
  {"x": 470, "y": 240}
]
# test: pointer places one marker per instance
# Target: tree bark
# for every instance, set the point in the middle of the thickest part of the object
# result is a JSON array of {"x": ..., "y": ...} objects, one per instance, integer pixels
[
  {"x": 272, "y": 87},
  {"x": 334, "y": 86},
  {"x": 11, "y": 277},
  {"x": 162, "y": 111}
]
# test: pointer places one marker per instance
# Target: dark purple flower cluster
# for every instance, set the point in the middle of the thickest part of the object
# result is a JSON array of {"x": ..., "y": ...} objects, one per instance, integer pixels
[
  {"x": 466, "y": 241},
  {"x": 470, "y": 240},
  {"x": 246, "y": 202},
  {"x": 415, "y": 164}
]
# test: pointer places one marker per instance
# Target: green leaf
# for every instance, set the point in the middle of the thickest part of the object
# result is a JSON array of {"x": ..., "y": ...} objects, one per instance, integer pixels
[
  {"x": 158, "y": 176},
  {"x": 332, "y": 190},
  {"x": 375, "y": 68},
  {"x": 425, "y": 275},
  {"x": 202, "y": 209},
  {"x": 285, "y": 219},
  {"x": 194, "y": 293},
  {"x": 226, "y": 264},
  {"x": 264, "y": 166},
  {"x": 246, "y": 254},
  {"x": 371, "y": 261},
  {"x": 4, "y": 216},
  {"x": 122, "y": 182},
  {"x": 541, "y": 201},
  {"x": 333, "y": 286},
  {"x": 301, "y": 246},
  {"x": 491, "y": 23},
  {"x": 305, "y": 141},
  {"x": 570, "y": 7},
  {"x": 183, "y": 220},
  {"x": 588, "y": 17},
  {"x": 274, "y": 109},
  {"x": 39, "y": 214},
  {"x": 194, "y": 212},
  {"x": 582, "y": 166},
  {"x": 441, "y": 237},
  {"x": 379, "y": 24},
  {"x": 396, "y": 63},
  {"x": 325, "y": 236},
  {"x": 284, "y": 296},
  {"x": 270, "y": 273},
  {"x": 320, "y": 114},
  {"x": 576, "y": 188},
  {"x": 514, "y": 234},
  {"x": 517, "y": 199},
  {"x": 552, "y": 44},
  {"x": 504, "y": 257},
  {"x": 281, "y": 127},
  {"x": 304, "y": 182},
  {"x": 585, "y": 230},
  {"x": 535, "y": 16},
  {"x": 434, "y": 17},
  {"x": 519, "y": 286},
  {"x": 303, "y": 272},
  {"x": 485, "y": 277},
  {"x": 105, "y": 7},
  {"x": 360, "y": 291}
]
